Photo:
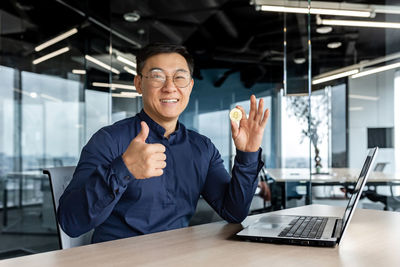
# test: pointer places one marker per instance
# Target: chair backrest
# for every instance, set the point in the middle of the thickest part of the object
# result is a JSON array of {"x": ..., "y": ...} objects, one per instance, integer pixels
[{"x": 59, "y": 178}]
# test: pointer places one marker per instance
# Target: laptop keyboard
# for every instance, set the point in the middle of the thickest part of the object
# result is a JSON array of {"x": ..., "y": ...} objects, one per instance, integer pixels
[{"x": 305, "y": 227}]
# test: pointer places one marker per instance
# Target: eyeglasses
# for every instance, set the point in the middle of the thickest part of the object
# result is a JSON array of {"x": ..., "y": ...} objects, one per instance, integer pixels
[{"x": 158, "y": 78}]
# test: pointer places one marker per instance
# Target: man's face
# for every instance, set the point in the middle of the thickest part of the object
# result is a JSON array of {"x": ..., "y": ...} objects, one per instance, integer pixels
[{"x": 165, "y": 103}]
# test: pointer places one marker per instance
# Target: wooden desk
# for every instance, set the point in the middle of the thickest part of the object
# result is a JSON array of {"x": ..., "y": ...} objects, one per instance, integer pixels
[{"x": 372, "y": 239}]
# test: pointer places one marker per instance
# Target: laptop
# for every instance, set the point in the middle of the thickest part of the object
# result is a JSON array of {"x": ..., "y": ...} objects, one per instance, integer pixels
[{"x": 308, "y": 230}]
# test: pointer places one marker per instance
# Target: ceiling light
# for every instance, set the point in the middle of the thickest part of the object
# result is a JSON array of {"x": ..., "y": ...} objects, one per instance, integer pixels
[
  {"x": 335, "y": 76},
  {"x": 357, "y": 23},
  {"x": 101, "y": 64},
  {"x": 355, "y": 108},
  {"x": 114, "y": 86},
  {"x": 33, "y": 95},
  {"x": 324, "y": 29},
  {"x": 132, "y": 16},
  {"x": 126, "y": 94},
  {"x": 129, "y": 70},
  {"x": 76, "y": 71},
  {"x": 316, "y": 11},
  {"x": 56, "y": 39},
  {"x": 106, "y": 85},
  {"x": 361, "y": 65},
  {"x": 376, "y": 70},
  {"x": 127, "y": 61},
  {"x": 299, "y": 60},
  {"x": 334, "y": 45},
  {"x": 338, "y": 12},
  {"x": 50, "y": 55},
  {"x": 364, "y": 97},
  {"x": 386, "y": 9}
]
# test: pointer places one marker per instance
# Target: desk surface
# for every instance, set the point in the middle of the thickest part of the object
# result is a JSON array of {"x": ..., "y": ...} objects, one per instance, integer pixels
[
  {"x": 213, "y": 245},
  {"x": 340, "y": 175}
]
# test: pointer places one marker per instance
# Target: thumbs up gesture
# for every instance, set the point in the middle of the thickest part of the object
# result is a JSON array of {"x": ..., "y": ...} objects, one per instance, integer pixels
[{"x": 144, "y": 160}]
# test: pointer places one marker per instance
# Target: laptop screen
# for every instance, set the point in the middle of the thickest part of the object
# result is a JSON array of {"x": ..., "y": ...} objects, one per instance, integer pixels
[{"x": 358, "y": 188}]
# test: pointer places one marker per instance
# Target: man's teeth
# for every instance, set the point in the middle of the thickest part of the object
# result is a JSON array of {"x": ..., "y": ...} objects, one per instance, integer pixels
[{"x": 169, "y": 100}]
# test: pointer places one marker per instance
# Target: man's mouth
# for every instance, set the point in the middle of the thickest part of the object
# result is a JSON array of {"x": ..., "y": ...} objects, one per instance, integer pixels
[{"x": 173, "y": 100}]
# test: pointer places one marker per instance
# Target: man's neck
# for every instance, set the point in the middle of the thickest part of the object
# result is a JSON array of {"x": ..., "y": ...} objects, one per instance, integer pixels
[{"x": 169, "y": 126}]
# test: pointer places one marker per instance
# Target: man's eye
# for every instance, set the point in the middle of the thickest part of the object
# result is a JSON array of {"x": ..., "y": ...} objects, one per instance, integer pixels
[{"x": 157, "y": 76}]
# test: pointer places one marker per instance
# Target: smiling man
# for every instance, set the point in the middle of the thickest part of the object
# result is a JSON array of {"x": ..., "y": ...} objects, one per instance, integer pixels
[{"x": 145, "y": 174}]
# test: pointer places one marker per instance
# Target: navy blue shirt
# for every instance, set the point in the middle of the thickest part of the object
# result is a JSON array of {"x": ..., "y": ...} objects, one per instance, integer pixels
[{"x": 105, "y": 196}]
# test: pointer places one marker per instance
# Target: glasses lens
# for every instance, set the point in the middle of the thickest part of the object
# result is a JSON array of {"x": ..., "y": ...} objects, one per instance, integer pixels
[
  {"x": 157, "y": 78},
  {"x": 181, "y": 79}
]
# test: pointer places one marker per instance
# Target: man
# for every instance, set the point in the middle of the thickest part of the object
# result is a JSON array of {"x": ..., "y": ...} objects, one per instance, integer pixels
[{"x": 145, "y": 174}]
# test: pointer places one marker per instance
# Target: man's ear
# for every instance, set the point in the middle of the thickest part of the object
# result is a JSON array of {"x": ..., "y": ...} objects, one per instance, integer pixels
[
  {"x": 191, "y": 86},
  {"x": 138, "y": 83}
]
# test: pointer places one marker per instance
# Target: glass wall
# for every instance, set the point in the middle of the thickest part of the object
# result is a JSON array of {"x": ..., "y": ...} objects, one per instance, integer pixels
[
  {"x": 355, "y": 64},
  {"x": 49, "y": 109}
]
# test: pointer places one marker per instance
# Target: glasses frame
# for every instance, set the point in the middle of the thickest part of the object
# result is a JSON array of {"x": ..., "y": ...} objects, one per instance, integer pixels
[{"x": 166, "y": 78}]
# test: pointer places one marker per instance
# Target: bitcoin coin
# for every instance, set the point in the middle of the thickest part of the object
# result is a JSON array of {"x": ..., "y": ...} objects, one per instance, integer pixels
[{"x": 235, "y": 114}]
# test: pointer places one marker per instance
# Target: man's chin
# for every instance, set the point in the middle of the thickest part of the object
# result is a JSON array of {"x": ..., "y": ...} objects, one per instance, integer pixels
[
  {"x": 170, "y": 117},
  {"x": 170, "y": 113}
]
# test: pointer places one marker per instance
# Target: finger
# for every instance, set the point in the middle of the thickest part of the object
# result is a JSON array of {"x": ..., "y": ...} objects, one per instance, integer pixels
[
  {"x": 253, "y": 107},
  {"x": 144, "y": 132},
  {"x": 265, "y": 118},
  {"x": 244, "y": 116},
  {"x": 156, "y": 148},
  {"x": 157, "y": 172},
  {"x": 160, "y": 164},
  {"x": 235, "y": 129},
  {"x": 260, "y": 110},
  {"x": 159, "y": 156}
]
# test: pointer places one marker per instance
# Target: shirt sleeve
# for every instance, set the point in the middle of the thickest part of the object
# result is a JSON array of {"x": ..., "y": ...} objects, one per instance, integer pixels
[
  {"x": 230, "y": 196},
  {"x": 100, "y": 179}
]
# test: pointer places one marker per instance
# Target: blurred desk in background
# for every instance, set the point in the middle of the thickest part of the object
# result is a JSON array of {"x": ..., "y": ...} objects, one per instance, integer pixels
[{"x": 295, "y": 182}]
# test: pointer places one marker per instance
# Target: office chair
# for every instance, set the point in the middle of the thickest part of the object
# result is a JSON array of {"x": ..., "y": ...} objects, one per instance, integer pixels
[
  {"x": 59, "y": 178},
  {"x": 276, "y": 202},
  {"x": 390, "y": 202}
]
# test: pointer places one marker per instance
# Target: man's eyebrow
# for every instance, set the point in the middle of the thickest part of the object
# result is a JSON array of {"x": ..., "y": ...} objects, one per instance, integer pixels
[
  {"x": 160, "y": 69},
  {"x": 182, "y": 70}
]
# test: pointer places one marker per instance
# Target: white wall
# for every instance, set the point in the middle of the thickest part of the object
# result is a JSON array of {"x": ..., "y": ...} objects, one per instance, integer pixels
[{"x": 365, "y": 114}]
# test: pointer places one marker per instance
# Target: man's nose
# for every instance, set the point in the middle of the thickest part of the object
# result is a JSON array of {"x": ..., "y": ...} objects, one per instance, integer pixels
[{"x": 169, "y": 84}]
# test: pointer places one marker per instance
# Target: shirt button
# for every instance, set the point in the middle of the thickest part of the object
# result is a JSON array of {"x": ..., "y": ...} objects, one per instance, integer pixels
[{"x": 127, "y": 177}]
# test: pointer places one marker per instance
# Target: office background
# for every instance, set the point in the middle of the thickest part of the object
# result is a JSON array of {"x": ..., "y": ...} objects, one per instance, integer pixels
[{"x": 302, "y": 65}]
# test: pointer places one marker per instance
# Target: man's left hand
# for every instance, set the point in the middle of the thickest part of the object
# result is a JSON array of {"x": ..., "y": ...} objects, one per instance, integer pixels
[{"x": 248, "y": 135}]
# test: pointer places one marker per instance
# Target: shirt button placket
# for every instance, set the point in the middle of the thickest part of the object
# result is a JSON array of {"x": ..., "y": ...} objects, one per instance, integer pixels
[{"x": 168, "y": 179}]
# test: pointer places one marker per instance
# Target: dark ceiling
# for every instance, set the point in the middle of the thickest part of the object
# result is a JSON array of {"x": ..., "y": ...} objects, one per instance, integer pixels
[{"x": 227, "y": 34}]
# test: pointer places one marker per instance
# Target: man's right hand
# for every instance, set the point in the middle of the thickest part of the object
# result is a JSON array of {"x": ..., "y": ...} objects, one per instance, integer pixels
[{"x": 144, "y": 160}]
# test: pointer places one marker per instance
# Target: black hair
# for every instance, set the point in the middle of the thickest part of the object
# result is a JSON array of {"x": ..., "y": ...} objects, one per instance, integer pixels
[{"x": 162, "y": 48}]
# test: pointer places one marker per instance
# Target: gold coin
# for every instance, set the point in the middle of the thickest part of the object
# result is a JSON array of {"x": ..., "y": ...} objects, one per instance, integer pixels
[{"x": 235, "y": 114}]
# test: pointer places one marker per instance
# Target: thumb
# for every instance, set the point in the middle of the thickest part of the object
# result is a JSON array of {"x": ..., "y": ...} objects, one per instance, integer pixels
[
  {"x": 144, "y": 132},
  {"x": 235, "y": 129}
]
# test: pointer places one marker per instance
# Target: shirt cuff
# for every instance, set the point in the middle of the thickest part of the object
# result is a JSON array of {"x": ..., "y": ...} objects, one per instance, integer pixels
[
  {"x": 248, "y": 157},
  {"x": 121, "y": 171}
]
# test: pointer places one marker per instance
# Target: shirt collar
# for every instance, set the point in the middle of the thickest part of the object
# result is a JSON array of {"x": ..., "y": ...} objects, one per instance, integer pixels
[{"x": 155, "y": 127}]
